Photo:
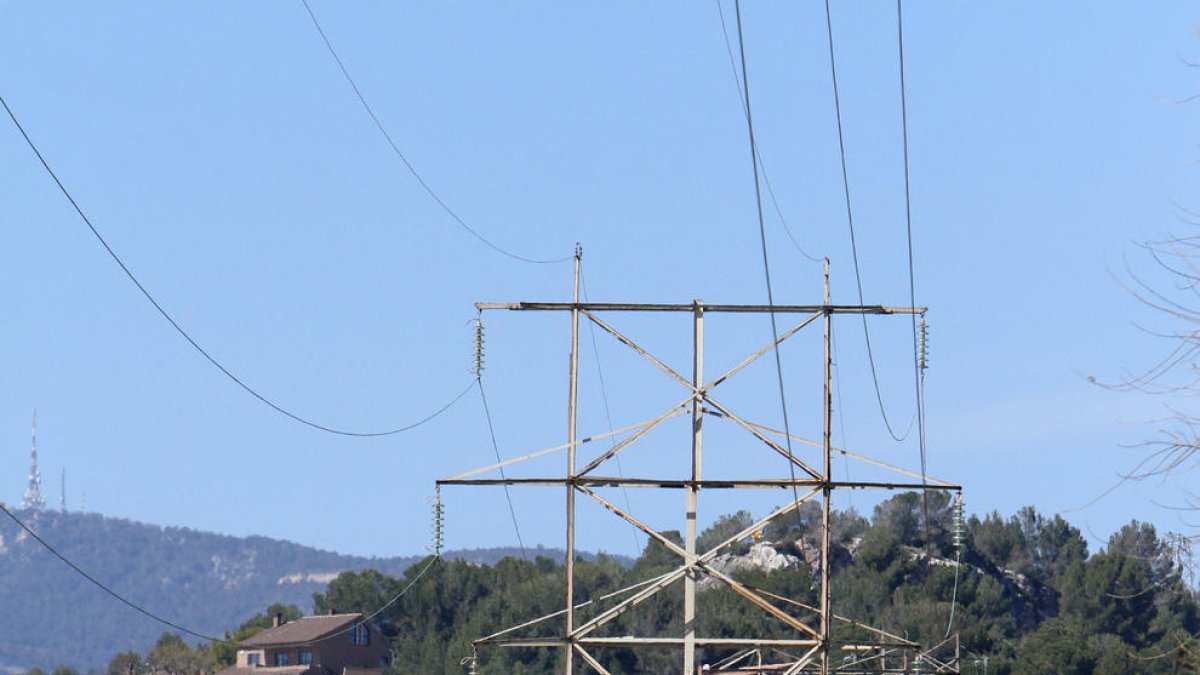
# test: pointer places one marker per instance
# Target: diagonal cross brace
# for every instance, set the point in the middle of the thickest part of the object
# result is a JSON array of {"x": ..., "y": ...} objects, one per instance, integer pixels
[
  {"x": 698, "y": 394},
  {"x": 700, "y": 563},
  {"x": 762, "y": 437}
]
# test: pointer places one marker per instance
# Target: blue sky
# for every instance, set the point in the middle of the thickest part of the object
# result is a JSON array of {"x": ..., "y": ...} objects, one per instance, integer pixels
[{"x": 220, "y": 151}]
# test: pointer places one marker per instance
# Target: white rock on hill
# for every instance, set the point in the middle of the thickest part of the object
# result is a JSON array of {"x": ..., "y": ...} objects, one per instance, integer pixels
[{"x": 761, "y": 556}]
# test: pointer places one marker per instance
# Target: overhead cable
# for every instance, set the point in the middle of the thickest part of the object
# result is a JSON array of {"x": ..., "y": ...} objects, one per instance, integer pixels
[
  {"x": 512, "y": 511},
  {"x": 762, "y": 234},
  {"x": 737, "y": 83},
  {"x": 837, "y": 106},
  {"x": 912, "y": 283},
  {"x": 186, "y": 336},
  {"x": 837, "y": 387},
  {"x": 408, "y": 164},
  {"x": 171, "y": 624},
  {"x": 918, "y": 374},
  {"x": 395, "y": 598},
  {"x": 101, "y": 585}
]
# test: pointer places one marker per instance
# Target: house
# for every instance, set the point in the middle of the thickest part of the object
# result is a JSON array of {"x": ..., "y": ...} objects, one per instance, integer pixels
[{"x": 333, "y": 644}]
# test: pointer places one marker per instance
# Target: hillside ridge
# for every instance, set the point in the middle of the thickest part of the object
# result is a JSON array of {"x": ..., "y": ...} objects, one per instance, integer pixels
[{"x": 206, "y": 581}]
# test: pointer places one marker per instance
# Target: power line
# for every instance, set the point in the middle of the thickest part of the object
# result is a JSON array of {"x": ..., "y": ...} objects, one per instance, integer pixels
[
  {"x": 837, "y": 381},
  {"x": 763, "y": 167},
  {"x": 99, "y": 584},
  {"x": 432, "y": 559},
  {"x": 186, "y": 336},
  {"x": 912, "y": 283},
  {"x": 49, "y": 547},
  {"x": 918, "y": 378},
  {"x": 409, "y": 165},
  {"x": 837, "y": 106},
  {"x": 762, "y": 234},
  {"x": 496, "y": 447}
]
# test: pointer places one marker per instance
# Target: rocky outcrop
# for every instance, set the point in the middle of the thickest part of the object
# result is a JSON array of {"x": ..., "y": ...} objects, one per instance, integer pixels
[{"x": 761, "y": 556}]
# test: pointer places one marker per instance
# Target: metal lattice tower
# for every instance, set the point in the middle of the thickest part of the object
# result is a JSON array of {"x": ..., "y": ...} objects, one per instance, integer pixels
[
  {"x": 34, "y": 499},
  {"x": 811, "y": 648}
]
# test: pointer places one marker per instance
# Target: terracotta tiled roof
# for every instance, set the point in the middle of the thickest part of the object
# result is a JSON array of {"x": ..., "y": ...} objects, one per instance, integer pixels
[{"x": 303, "y": 630}]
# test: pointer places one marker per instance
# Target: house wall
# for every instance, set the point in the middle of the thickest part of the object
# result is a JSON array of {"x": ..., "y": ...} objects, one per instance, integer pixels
[
  {"x": 292, "y": 652},
  {"x": 333, "y": 653},
  {"x": 243, "y": 657},
  {"x": 336, "y": 652}
]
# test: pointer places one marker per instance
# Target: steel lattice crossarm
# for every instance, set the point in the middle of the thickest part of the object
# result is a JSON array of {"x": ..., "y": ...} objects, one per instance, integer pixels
[
  {"x": 578, "y": 627},
  {"x": 691, "y": 307}
]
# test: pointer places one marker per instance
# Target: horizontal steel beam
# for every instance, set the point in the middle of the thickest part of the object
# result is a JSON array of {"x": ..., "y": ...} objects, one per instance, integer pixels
[
  {"x": 707, "y": 484},
  {"x": 648, "y": 642},
  {"x": 814, "y": 668},
  {"x": 678, "y": 642},
  {"x": 689, "y": 308}
]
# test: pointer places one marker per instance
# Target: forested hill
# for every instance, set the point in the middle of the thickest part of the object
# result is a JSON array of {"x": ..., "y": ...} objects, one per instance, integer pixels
[
  {"x": 49, "y": 615},
  {"x": 1027, "y": 598}
]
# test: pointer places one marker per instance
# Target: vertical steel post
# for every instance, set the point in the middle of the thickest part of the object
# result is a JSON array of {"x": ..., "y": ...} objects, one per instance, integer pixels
[
  {"x": 826, "y": 489},
  {"x": 689, "y": 581},
  {"x": 572, "y": 397}
]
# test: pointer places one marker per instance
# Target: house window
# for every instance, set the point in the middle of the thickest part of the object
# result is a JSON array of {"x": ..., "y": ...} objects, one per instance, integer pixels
[
  {"x": 252, "y": 659},
  {"x": 365, "y": 638},
  {"x": 304, "y": 657},
  {"x": 281, "y": 658},
  {"x": 353, "y": 635}
]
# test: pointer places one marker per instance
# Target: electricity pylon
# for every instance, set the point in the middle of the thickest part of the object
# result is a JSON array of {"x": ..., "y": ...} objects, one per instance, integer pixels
[{"x": 810, "y": 648}]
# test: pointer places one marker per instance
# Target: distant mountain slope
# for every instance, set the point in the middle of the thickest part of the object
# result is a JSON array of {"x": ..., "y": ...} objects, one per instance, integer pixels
[{"x": 207, "y": 582}]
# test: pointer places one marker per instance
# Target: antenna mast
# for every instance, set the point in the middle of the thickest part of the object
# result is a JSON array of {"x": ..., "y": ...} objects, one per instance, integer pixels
[{"x": 34, "y": 499}]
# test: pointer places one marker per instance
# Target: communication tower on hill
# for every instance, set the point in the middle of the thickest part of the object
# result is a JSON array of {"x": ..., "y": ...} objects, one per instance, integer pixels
[
  {"x": 582, "y": 629},
  {"x": 34, "y": 499}
]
